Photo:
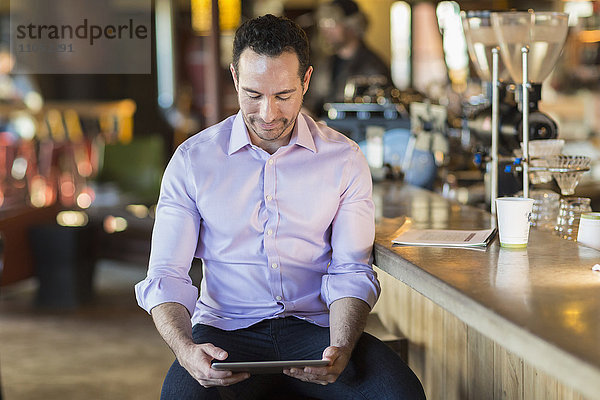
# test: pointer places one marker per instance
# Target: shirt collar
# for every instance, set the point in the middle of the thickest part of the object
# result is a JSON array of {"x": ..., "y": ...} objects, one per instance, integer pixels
[
  {"x": 300, "y": 135},
  {"x": 239, "y": 135},
  {"x": 304, "y": 137}
]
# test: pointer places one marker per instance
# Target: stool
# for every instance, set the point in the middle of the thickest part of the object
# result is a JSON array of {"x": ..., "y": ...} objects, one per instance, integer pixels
[
  {"x": 64, "y": 264},
  {"x": 399, "y": 344}
]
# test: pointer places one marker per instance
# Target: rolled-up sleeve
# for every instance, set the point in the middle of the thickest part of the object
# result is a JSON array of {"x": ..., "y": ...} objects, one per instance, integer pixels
[
  {"x": 174, "y": 240},
  {"x": 350, "y": 273}
]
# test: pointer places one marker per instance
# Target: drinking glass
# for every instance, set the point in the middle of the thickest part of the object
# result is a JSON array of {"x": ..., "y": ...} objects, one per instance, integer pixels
[
  {"x": 545, "y": 208},
  {"x": 569, "y": 213}
]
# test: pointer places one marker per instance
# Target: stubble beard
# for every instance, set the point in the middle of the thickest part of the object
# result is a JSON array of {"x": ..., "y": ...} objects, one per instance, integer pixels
[
  {"x": 267, "y": 135},
  {"x": 253, "y": 122}
]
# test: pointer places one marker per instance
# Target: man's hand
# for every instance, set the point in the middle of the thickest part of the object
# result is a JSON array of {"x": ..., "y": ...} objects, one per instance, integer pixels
[
  {"x": 338, "y": 359},
  {"x": 173, "y": 323},
  {"x": 197, "y": 358},
  {"x": 347, "y": 317}
]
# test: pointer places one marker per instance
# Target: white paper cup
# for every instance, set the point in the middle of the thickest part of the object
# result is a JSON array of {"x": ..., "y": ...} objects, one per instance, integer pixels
[
  {"x": 514, "y": 217},
  {"x": 589, "y": 229}
]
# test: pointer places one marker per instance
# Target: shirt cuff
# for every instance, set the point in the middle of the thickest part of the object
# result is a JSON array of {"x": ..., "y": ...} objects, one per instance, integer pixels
[
  {"x": 152, "y": 292},
  {"x": 361, "y": 285}
]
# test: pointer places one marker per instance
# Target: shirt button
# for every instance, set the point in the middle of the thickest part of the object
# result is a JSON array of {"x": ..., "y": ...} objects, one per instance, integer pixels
[
  {"x": 270, "y": 161},
  {"x": 270, "y": 232},
  {"x": 274, "y": 266},
  {"x": 278, "y": 298},
  {"x": 269, "y": 197}
]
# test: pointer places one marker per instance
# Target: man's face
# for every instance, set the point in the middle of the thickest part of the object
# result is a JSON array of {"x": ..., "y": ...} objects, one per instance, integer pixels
[
  {"x": 333, "y": 33},
  {"x": 270, "y": 94}
]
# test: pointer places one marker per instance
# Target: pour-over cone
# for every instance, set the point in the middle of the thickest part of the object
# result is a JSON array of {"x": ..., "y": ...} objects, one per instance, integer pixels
[{"x": 567, "y": 171}]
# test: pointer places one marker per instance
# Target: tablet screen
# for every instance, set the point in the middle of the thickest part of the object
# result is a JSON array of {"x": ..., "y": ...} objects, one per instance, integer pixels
[{"x": 266, "y": 367}]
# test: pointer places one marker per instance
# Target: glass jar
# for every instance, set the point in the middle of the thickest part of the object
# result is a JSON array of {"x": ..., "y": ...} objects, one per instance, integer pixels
[
  {"x": 569, "y": 213},
  {"x": 545, "y": 208}
]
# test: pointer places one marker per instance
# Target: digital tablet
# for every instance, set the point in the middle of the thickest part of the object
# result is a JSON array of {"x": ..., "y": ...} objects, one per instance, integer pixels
[{"x": 266, "y": 367}]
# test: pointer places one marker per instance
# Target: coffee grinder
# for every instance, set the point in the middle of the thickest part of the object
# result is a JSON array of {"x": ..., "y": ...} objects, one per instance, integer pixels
[
  {"x": 527, "y": 46},
  {"x": 499, "y": 134},
  {"x": 530, "y": 44}
]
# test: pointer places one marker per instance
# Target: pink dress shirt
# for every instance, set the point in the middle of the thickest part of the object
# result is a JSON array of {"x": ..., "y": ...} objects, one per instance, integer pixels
[{"x": 280, "y": 235}]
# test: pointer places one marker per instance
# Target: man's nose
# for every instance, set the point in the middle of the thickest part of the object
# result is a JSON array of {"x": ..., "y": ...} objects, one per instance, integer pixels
[{"x": 268, "y": 110}]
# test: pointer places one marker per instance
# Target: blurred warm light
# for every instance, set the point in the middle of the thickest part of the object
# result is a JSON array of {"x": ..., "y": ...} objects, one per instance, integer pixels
[
  {"x": 39, "y": 192},
  {"x": 67, "y": 187},
  {"x": 84, "y": 200},
  {"x": 454, "y": 44},
  {"x": 573, "y": 318},
  {"x": 84, "y": 168},
  {"x": 589, "y": 36},
  {"x": 125, "y": 133},
  {"x": 114, "y": 224},
  {"x": 73, "y": 126},
  {"x": 400, "y": 31},
  {"x": 72, "y": 218},
  {"x": 56, "y": 126},
  {"x": 86, "y": 197},
  {"x": 139, "y": 210},
  {"x": 230, "y": 13},
  {"x": 25, "y": 125},
  {"x": 578, "y": 9},
  {"x": 107, "y": 123},
  {"x": 34, "y": 101},
  {"x": 429, "y": 71},
  {"x": 19, "y": 168}
]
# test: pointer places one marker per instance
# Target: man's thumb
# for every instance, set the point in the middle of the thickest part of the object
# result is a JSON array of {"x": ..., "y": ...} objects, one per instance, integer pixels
[
  {"x": 216, "y": 352},
  {"x": 330, "y": 353}
]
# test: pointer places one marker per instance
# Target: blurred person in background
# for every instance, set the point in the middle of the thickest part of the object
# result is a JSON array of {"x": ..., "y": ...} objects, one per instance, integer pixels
[{"x": 342, "y": 55}]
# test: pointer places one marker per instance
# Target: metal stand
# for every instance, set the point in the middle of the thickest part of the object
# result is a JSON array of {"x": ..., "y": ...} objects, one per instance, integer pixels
[
  {"x": 495, "y": 113},
  {"x": 525, "y": 111},
  {"x": 495, "y": 127}
]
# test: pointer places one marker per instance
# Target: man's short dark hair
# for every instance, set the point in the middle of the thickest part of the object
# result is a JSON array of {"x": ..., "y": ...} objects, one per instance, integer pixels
[{"x": 271, "y": 36}]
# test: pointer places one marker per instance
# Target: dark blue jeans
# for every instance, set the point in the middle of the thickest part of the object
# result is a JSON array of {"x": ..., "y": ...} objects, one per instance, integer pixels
[{"x": 374, "y": 371}]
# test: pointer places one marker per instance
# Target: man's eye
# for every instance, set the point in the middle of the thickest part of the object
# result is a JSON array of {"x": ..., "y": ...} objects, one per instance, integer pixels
[
  {"x": 254, "y": 96},
  {"x": 283, "y": 98}
]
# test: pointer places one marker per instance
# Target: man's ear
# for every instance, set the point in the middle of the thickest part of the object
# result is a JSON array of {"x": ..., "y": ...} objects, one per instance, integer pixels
[
  {"x": 234, "y": 76},
  {"x": 306, "y": 79}
]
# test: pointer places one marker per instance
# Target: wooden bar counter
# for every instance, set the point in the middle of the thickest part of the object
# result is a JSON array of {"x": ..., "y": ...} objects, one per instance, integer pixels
[{"x": 488, "y": 324}]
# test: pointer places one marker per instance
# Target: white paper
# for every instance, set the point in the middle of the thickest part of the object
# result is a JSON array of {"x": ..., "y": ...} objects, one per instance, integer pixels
[{"x": 445, "y": 237}]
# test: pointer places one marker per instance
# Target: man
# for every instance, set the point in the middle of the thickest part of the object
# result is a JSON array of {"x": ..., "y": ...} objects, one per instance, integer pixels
[
  {"x": 279, "y": 209},
  {"x": 344, "y": 56}
]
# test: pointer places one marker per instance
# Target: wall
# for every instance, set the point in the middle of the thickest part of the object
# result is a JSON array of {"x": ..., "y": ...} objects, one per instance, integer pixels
[{"x": 378, "y": 34}]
